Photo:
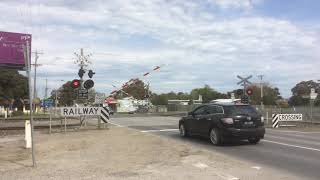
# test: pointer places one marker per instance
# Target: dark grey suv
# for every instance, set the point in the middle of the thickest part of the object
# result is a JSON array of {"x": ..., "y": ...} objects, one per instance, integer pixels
[{"x": 220, "y": 122}]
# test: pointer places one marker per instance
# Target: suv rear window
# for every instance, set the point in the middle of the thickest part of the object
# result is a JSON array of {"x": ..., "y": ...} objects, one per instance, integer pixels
[{"x": 237, "y": 110}]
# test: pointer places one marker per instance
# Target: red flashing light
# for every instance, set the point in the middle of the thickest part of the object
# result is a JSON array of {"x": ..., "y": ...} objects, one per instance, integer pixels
[
  {"x": 249, "y": 92},
  {"x": 75, "y": 83}
]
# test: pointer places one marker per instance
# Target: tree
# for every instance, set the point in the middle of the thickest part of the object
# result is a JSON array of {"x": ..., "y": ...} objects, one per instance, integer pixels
[
  {"x": 138, "y": 90},
  {"x": 161, "y": 99},
  {"x": 301, "y": 93},
  {"x": 207, "y": 93},
  {"x": 65, "y": 94},
  {"x": 13, "y": 86}
]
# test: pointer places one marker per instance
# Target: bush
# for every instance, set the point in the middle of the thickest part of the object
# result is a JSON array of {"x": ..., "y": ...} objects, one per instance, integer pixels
[{"x": 17, "y": 113}]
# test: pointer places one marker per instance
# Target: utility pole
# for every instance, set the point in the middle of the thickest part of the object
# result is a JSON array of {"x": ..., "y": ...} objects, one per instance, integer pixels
[
  {"x": 45, "y": 96},
  {"x": 261, "y": 87},
  {"x": 46, "y": 89},
  {"x": 35, "y": 73}
]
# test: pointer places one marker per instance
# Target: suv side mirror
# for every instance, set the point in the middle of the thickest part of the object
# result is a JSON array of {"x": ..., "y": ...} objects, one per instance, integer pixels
[{"x": 190, "y": 113}]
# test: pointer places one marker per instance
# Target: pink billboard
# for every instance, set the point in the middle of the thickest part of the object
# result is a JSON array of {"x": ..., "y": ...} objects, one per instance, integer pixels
[{"x": 11, "y": 49}]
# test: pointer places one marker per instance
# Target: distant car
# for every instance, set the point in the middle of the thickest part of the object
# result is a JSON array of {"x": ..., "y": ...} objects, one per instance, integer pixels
[{"x": 222, "y": 121}]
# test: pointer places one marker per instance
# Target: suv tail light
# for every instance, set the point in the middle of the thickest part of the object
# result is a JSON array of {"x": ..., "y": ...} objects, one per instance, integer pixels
[{"x": 227, "y": 120}]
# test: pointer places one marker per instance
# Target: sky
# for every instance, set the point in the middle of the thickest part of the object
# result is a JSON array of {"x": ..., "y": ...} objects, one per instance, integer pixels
[{"x": 195, "y": 42}]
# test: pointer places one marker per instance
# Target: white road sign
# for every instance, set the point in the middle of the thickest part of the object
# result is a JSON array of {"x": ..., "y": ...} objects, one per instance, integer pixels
[
  {"x": 80, "y": 111},
  {"x": 276, "y": 118},
  {"x": 313, "y": 94}
]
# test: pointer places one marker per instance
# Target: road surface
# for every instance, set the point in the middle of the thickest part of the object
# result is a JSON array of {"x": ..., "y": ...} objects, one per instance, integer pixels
[{"x": 293, "y": 152}]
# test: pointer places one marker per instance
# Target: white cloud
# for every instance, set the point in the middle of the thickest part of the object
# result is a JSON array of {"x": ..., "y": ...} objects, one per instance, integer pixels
[
  {"x": 194, "y": 40},
  {"x": 238, "y": 4}
]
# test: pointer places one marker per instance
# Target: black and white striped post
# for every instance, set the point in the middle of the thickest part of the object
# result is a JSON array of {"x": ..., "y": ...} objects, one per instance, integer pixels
[
  {"x": 104, "y": 114},
  {"x": 275, "y": 120}
]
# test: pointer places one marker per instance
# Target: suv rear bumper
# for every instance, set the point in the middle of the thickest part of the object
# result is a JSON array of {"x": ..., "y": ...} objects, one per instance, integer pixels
[{"x": 244, "y": 133}]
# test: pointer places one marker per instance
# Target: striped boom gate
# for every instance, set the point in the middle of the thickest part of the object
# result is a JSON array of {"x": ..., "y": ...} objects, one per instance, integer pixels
[{"x": 277, "y": 118}]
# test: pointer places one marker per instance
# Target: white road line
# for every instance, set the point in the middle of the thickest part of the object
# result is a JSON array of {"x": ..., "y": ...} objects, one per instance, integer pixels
[
  {"x": 200, "y": 165},
  {"x": 115, "y": 124},
  {"x": 256, "y": 167},
  {"x": 160, "y": 130},
  {"x": 226, "y": 176},
  {"x": 290, "y": 145},
  {"x": 292, "y": 131}
]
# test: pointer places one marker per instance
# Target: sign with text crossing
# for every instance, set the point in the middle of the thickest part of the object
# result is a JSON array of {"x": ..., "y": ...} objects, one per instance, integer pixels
[
  {"x": 276, "y": 118},
  {"x": 86, "y": 111}
]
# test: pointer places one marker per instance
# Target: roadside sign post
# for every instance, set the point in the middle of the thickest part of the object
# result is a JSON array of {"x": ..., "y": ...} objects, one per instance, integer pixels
[
  {"x": 15, "y": 53},
  {"x": 313, "y": 96},
  {"x": 277, "y": 118},
  {"x": 28, "y": 68},
  {"x": 101, "y": 112}
]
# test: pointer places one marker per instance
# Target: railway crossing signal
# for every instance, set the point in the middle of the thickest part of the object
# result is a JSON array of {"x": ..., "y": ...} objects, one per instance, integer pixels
[
  {"x": 75, "y": 83},
  {"x": 91, "y": 73},
  {"x": 249, "y": 91},
  {"x": 88, "y": 84},
  {"x": 244, "y": 82},
  {"x": 245, "y": 99},
  {"x": 81, "y": 72}
]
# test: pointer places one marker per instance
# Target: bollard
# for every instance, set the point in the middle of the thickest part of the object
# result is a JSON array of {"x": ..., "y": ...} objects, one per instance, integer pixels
[
  {"x": 50, "y": 121},
  {"x": 28, "y": 134},
  {"x": 99, "y": 123},
  {"x": 65, "y": 124}
]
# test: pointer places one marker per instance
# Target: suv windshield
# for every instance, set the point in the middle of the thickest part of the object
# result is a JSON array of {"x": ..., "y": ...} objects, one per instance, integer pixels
[{"x": 237, "y": 110}]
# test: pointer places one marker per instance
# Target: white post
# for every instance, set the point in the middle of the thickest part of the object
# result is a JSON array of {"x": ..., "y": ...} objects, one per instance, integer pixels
[
  {"x": 267, "y": 116},
  {"x": 5, "y": 114},
  {"x": 28, "y": 139},
  {"x": 50, "y": 114},
  {"x": 65, "y": 124}
]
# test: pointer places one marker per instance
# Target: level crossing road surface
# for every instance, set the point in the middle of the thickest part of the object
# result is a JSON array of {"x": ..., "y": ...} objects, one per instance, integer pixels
[{"x": 293, "y": 152}]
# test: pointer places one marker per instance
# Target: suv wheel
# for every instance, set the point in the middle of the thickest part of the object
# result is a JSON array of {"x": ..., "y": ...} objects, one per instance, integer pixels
[
  {"x": 183, "y": 131},
  {"x": 215, "y": 137},
  {"x": 253, "y": 140}
]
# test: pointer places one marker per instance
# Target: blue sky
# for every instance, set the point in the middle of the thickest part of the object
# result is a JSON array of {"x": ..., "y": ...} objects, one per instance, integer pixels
[{"x": 197, "y": 42}]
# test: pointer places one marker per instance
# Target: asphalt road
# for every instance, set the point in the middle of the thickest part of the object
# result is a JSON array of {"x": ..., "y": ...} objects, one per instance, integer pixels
[{"x": 293, "y": 152}]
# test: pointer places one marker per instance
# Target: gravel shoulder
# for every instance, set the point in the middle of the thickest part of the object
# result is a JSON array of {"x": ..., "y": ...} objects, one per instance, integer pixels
[{"x": 120, "y": 153}]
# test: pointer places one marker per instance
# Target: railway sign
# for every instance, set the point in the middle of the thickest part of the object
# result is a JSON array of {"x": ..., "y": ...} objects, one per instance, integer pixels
[
  {"x": 244, "y": 80},
  {"x": 80, "y": 111},
  {"x": 102, "y": 112},
  {"x": 276, "y": 118}
]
